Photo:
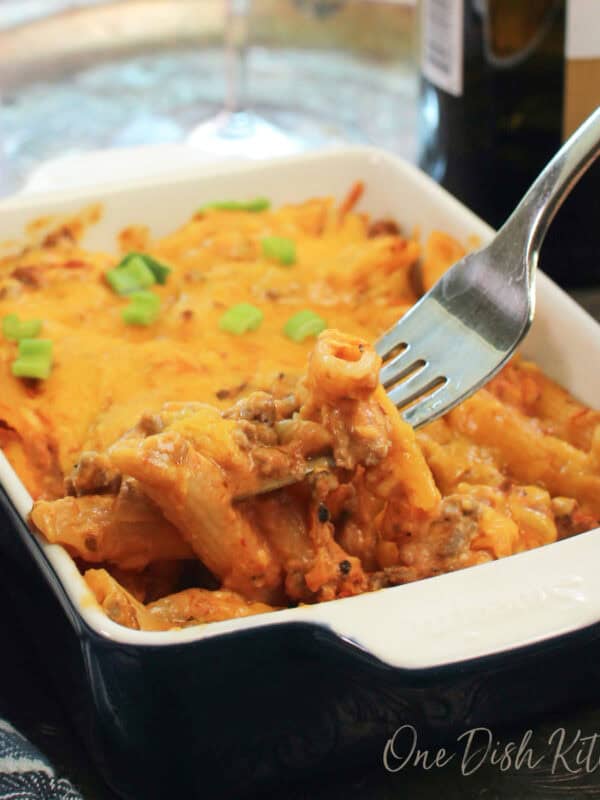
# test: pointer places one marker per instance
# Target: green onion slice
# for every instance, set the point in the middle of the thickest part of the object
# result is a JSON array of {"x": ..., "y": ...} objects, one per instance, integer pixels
[
  {"x": 34, "y": 360},
  {"x": 255, "y": 204},
  {"x": 132, "y": 277},
  {"x": 241, "y": 318},
  {"x": 31, "y": 368},
  {"x": 15, "y": 329},
  {"x": 304, "y": 324},
  {"x": 280, "y": 249},
  {"x": 143, "y": 309},
  {"x": 160, "y": 271},
  {"x": 11, "y": 326},
  {"x": 40, "y": 348}
]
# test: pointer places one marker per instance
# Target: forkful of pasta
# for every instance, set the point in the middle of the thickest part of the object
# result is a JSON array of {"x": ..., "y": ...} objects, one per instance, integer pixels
[
  {"x": 461, "y": 333},
  {"x": 464, "y": 330}
]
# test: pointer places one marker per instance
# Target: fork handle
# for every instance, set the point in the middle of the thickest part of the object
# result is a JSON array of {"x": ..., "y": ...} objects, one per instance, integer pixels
[{"x": 527, "y": 225}]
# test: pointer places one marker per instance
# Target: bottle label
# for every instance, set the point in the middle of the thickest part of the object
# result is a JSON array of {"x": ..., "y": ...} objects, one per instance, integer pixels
[
  {"x": 582, "y": 69},
  {"x": 583, "y": 31},
  {"x": 442, "y": 44}
]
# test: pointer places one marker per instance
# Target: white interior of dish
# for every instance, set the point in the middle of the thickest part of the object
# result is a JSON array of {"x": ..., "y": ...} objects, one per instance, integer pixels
[{"x": 475, "y": 612}]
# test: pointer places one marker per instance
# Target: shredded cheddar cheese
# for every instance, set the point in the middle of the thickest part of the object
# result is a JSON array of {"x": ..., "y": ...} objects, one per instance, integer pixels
[{"x": 156, "y": 438}]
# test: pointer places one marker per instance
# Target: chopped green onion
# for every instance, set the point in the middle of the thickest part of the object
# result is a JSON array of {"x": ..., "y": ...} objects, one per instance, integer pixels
[
  {"x": 35, "y": 347},
  {"x": 132, "y": 277},
  {"x": 30, "y": 328},
  {"x": 143, "y": 309},
  {"x": 15, "y": 329},
  {"x": 241, "y": 319},
  {"x": 304, "y": 324},
  {"x": 34, "y": 360},
  {"x": 279, "y": 248},
  {"x": 31, "y": 368},
  {"x": 11, "y": 326},
  {"x": 160, "y": 271},
  {"x": 256, "y": 204}
]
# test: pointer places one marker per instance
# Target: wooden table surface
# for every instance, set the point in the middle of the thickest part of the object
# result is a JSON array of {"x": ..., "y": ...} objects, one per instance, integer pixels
[{"x": 28, "y": 700}]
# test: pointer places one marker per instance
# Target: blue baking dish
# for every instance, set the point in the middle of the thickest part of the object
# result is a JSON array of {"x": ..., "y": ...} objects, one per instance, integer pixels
[{"x": 233, "y": 708}]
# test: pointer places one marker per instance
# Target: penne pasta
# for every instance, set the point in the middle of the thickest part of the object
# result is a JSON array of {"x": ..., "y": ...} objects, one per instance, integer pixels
[
  {"x": 127, "y": 531},
  {"x": 209, "y": 438},
  {"x": 189, "y": 607},
  {"x": 528, "y": 455}
]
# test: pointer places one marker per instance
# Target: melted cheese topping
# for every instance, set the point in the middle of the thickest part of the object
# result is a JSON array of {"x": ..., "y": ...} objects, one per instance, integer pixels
[
  {"x": 517, "y": 465},
  {"x": 107, "y": 373}
]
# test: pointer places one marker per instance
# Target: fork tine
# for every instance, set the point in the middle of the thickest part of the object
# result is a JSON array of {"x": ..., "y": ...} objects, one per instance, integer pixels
[
  {"x": 429, "y": 407},
  {"x": 410, "y": 328},
  {"x": 399, "y": 366},
  {"x": 416, "y": 384},
  {"x": 390, "y": 340}
]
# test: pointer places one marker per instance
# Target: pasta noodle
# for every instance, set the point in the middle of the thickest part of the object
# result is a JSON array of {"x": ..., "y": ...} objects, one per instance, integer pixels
[{"x": 200, "y": 467}]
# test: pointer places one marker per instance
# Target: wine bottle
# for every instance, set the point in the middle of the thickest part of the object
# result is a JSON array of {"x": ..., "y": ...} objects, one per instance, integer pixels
[{"x": 491, "y": 115}]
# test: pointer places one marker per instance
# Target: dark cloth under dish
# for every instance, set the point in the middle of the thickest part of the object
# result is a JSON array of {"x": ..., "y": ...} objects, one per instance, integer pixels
[{"x": 25, "y": 774}]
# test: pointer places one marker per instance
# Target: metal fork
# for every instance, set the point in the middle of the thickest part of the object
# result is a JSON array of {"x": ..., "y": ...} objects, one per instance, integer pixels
[{"x": 466, "y": 327}]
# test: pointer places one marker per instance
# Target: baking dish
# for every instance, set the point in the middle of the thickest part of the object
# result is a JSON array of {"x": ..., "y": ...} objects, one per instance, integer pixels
[{"x": 232, "y": 706}]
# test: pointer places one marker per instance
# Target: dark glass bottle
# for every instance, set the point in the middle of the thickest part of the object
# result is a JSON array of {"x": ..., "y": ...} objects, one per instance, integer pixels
[{"x": 487, "y": 143}]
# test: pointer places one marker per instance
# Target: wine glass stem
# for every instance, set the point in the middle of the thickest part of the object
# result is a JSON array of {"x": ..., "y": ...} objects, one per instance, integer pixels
[{"x": 236, "y": 50}]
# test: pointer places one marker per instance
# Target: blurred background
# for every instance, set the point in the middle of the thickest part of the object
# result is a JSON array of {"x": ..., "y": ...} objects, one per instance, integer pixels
[
  {"x": 78, "y": 75},
  {"x": 479, "y": 93}
]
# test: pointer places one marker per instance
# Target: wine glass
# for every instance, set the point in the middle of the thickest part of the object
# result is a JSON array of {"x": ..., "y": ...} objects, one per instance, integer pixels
[{"x": 239, "y": 130}]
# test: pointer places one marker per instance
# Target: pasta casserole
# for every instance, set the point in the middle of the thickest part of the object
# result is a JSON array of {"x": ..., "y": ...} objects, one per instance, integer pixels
[{"x": 201, "y": 424}]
